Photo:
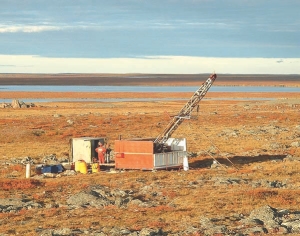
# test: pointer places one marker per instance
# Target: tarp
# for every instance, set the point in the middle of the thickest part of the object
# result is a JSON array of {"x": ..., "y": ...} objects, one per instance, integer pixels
[{"x": 52, "y": 169}]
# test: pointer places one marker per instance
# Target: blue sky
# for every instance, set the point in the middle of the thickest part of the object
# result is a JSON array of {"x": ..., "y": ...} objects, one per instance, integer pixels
[{"x": 143, "y": 36}]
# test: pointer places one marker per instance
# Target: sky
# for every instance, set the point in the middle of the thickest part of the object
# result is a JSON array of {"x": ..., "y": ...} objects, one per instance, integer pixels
[{"x": 150, "y": 36}]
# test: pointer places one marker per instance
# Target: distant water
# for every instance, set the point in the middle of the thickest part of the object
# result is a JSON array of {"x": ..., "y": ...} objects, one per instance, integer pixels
[{"x": 116, "y": 89}]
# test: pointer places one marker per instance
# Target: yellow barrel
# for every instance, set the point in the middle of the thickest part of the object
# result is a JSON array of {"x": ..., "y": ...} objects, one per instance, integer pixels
[
  {"x": 80, "y": 166},
  {"x": 95, "y": 167},
  {"x": 76, "y": 166}
]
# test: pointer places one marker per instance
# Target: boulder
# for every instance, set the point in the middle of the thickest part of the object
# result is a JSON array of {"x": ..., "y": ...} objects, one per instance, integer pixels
[
  {"x": 267, "y": 215},
  {"x": 295, "y": 144},
  {"x": 15, "y": 104},
  {"x": 293, "y": 226},
  {"x": 151, "y": 232},
  {"x": 85, "y": 199}
]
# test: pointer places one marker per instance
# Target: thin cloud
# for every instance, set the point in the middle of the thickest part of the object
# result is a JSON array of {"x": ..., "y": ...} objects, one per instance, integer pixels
[
  {"x": 43, "y": 28},
  {"x": 108, "y": 25},
  {"x": 211, "y": 25},
  {"x": 277, "y": 28},
  {"x": 28, "y": 29}
]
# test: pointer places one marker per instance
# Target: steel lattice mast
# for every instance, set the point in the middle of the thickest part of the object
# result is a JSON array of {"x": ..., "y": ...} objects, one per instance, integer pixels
[{"x": 186, "y": 111}]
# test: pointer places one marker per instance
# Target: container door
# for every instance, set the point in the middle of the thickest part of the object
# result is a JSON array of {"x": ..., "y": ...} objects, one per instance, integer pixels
[{"x": 81, "y": 150}]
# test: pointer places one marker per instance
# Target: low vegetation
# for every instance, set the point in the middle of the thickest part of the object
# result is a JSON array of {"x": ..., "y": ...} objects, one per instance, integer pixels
[{"x": 253, "y": 143}]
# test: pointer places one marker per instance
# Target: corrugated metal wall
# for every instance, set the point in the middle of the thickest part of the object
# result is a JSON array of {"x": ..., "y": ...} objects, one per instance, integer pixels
[{"x": 169, "y": 159}]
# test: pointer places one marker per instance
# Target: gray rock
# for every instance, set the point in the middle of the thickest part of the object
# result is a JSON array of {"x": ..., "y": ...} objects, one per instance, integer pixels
[
  {"x": 50, "y": 175},
  {"x": 276, "y": 184},
  {"x": 15, "y": 104},
  {"x": 85, "y": 199},
  {"x": 27, "y": 160},
  {"x": 32, "y": 204},
  {"x": 70, "y": 122},
  {"x": 114, "y": 231},
  {"x": 269, "y": 184},
  {"x": 293, "y": 226},
  {"x": 46, "y": 232},
  {"x": 150, "y": 232},
  {"x": 206, "y": 223},
  {"x": 275, "y": 145},
  {"x": 251, "y": 222},
  {"x": 118, "y": 193},
  {"x": 295, "y": 144},
  {"x": 69, "y": 172},
  {"x": 228, "y": 181},
  {"x": 62, "y": 232},
  {"x": 15, "y": 205},
  {"x": 256, "y": 231},
  {"x": 137, "y": 202},
  {"x": 267, "y": 215},
  {"x": 100, "y": 196},
  {"x": 10, "y": 204},
  {"x": 291, "y": 158},
  {"x": 133, "y": 234},
  {"x": 209, "y": 228},
  {"x": 125, "y": 231},
  {"x": 283, "y": 212},
  {"x": 4, "y": 105},
  {"x": 98, "y": 234},
  {"x": 117, "y": 231},
  {"x": 146, "y": 189},
  {"x": 50, "y": 159},
  {"x": 191, "y": 231}
]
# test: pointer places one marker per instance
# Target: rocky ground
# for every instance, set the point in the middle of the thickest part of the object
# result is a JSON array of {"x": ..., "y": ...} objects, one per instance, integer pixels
[
  {"x": 211, "y": 200},
  {"x": 244, "y": 156}
]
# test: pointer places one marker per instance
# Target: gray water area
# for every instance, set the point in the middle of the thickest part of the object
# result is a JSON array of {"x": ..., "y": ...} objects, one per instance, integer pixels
[{"x": 116, "y": 89}]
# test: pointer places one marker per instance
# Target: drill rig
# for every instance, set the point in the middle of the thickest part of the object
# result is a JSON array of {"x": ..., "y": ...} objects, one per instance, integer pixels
[{"x": 184, "y": 113}]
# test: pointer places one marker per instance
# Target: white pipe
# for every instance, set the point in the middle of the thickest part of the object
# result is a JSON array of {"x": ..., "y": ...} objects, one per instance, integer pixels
[
  {"x": 185, "y": 163},
  {"x": 28, "y": 166}
]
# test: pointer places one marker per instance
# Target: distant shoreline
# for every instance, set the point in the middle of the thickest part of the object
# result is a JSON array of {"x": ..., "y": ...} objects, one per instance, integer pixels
[{"x": 148, "y": 79}]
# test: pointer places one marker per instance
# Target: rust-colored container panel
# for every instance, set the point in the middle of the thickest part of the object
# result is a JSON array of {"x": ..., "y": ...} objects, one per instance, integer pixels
[
  {"x": 135, "y": 161},
  {"x": 129, "y": 146},
  {"x": 137, "y": 154}
]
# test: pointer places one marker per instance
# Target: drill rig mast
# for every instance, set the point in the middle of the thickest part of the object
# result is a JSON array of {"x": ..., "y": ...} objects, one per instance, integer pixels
[{"x": 184, "y": 113}]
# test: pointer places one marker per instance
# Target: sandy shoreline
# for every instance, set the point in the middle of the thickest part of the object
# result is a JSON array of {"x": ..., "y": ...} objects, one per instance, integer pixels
[{"x": 95, "y": 95}]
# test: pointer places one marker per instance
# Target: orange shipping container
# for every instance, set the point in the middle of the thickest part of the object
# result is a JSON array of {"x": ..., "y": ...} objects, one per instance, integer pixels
[{"x": 139, "y": 154}]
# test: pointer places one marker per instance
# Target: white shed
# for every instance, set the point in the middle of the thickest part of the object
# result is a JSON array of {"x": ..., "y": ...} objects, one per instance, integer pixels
[{"x": 84, "y": 148}]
